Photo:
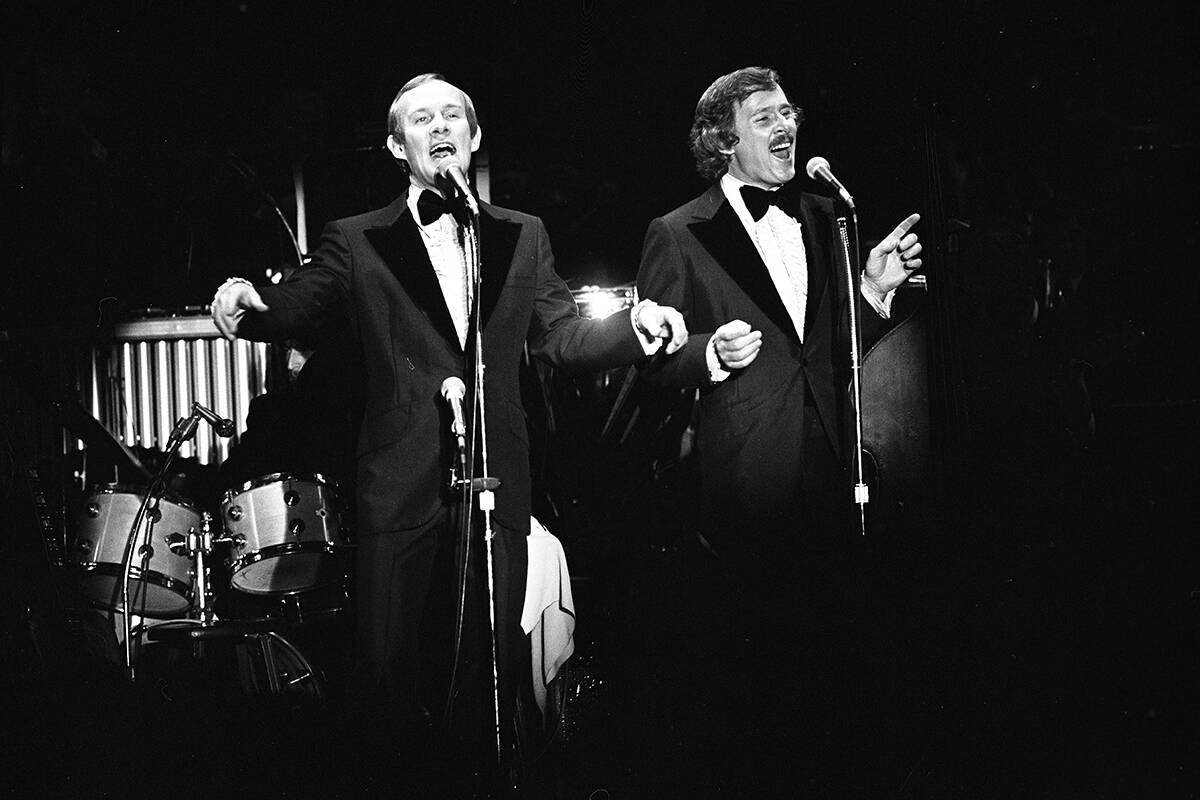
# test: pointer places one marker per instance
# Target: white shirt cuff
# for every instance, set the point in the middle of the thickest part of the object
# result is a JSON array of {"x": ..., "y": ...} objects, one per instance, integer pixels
[
  {"x": 716, "y": 373},
  {"x": 882, "y": 305},
  {"x": 650, "y": 344}
]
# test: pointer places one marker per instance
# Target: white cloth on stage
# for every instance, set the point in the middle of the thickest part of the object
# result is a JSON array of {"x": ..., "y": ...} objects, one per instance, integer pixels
[{"x": 549, "y": 613}]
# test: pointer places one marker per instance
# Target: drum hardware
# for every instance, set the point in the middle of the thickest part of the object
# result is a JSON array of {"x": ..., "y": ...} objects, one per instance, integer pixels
[
  {"x": 267, "y": 661},
  {"x": 196, "y": 545},
  {"x": 184, "y": 430},
  {"x": 283, "y": 667}
]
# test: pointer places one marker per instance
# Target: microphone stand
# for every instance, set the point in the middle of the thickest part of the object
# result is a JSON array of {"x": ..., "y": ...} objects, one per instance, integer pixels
[
  {"x": 861, "y": 491},
  {"x": 482, "y": 486},
  {"x": 185, "y": 429}
]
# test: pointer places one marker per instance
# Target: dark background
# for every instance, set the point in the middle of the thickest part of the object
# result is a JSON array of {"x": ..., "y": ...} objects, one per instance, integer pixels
[
  {"x": 1048, "y": 145},
  {"x": 122, "y": 119}
]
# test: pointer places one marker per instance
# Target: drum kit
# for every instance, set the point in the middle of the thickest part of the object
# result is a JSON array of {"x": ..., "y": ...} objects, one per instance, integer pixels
[
  {"x": 266, "y": 560},
  {"x": 285, "y": 545}
]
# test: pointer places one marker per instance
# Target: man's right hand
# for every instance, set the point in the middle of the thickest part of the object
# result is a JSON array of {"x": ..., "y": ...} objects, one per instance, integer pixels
[
  {"x": 231, "y": 304},
  {"x": 737, "y": 346}
]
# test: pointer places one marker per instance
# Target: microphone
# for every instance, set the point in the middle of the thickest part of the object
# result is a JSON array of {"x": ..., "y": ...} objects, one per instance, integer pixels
[
  {"x": 819, "y": 168},
  {"x": 223, "y": 427},
  {"x": 450, "y": 170},
  {"x": 453, "y": 391}
]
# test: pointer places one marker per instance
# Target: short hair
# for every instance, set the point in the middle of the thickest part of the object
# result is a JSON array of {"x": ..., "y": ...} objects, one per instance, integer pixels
[
  {"x": 395, "y": 124},
  {"x": 713, "y": 127}
]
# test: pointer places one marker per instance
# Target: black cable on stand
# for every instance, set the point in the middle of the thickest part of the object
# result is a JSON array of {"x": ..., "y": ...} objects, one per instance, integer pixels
[{"x": 481, "y": 487}]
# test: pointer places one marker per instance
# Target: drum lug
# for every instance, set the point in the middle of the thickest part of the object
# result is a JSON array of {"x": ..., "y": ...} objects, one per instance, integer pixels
[
  {"x": 93, "y": 510},
  {"x": 235, "y": 514},
  {"x": 176, "y": 543}
]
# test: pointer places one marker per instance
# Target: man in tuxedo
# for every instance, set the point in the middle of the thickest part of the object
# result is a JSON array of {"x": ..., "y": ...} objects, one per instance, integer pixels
[
  {"x": 396, "y": 276},
  {"x": 755, "y": 268}
]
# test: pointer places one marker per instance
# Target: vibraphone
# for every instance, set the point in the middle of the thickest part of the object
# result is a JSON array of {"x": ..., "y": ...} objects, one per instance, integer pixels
[{"x": 147, "y": 374}]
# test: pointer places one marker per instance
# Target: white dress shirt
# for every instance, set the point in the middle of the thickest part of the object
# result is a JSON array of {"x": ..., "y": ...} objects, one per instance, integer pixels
[
  {"x": 779, "y": 239},
  {"x": 446, "y": 255}
]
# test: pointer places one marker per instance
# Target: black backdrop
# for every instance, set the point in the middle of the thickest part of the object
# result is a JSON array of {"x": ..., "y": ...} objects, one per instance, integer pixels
[
  {"x": 132, "y": 131},
  {"x": 121, "y": 121}
]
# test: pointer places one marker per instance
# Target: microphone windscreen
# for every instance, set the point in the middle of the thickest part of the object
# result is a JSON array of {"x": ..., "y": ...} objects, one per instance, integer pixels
[
  {"x": 447, "y": 166},
  {"x": 453, "y": 387},
  {"x": 815, "y": 163}
]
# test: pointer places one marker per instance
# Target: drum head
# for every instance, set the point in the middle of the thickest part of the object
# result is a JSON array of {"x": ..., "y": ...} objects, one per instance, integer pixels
[
  {"x": 102, "y": 586},
  {"x": 288, "y": 573}
]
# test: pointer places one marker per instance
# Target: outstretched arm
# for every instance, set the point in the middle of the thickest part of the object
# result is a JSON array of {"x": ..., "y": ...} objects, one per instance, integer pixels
[
  {"x": 313, "y": 299},
  {"x": 231, "y": 302}
]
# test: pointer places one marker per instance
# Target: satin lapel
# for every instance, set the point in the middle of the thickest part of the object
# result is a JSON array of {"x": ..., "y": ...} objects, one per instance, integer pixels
[
  {"x": 401, "y": 248},
  {"x": 817, "y": 229},
  {"x": 498, "y": 240},
  {"x": 726, "y": 240}
]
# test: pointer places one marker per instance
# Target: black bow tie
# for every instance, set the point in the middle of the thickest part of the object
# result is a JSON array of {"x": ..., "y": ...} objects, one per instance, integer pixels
[
  {"x": 431, "y": 206},
  {"x": 759, "y": 200}
]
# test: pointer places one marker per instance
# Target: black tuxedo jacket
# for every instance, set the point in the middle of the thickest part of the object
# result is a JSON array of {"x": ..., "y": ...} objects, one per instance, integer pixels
[
  {"x": 372, "y": 271},
  {"x": 700, "y": 259}
]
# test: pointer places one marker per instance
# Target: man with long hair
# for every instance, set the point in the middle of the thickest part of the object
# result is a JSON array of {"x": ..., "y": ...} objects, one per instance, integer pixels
[{"x": 755, "y": 268}]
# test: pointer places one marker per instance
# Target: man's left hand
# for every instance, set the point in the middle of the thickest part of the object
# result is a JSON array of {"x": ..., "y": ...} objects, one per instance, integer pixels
[
  {"x": 895, "y": 258},
  {"x": 663, "y": 322}
]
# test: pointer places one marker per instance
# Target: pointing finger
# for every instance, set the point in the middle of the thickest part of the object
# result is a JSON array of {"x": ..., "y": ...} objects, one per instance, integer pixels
[{"x": 904, "y": 227}]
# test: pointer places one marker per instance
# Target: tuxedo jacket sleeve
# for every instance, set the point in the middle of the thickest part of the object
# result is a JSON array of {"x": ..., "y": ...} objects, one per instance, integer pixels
[{"x": 373, "y": 272}]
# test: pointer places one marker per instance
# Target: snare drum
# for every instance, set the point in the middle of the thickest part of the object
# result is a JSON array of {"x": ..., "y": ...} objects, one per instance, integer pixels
[
  {"x": 160, "y": 580},
  {"x": 286, "y": 534}
]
